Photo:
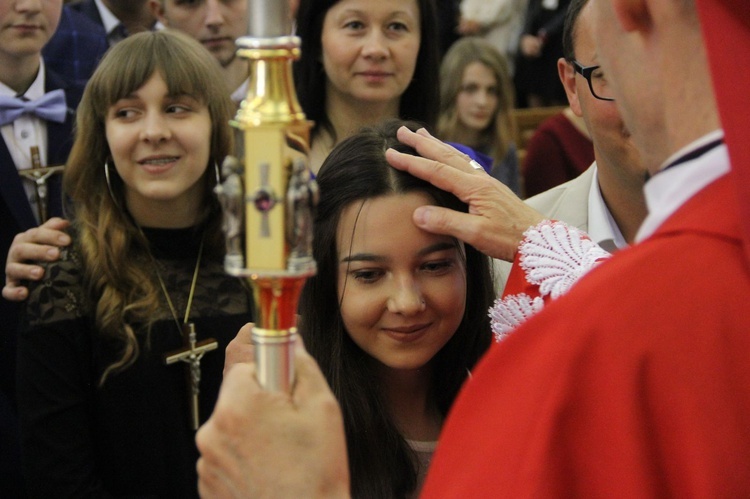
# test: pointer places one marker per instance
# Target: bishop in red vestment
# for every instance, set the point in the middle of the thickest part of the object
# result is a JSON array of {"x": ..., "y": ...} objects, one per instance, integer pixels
[
  {"x": 641, "y": 391},
  {"x": 637, "y": 383}
]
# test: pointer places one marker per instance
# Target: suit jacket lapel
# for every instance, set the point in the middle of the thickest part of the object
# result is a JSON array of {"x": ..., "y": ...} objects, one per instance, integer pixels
[
  {"x": 13, "y": 191},
  {"x": 574, "y": 203},
  {"x": 88, "y": 7},
  {"x": 60, "y": 138}
]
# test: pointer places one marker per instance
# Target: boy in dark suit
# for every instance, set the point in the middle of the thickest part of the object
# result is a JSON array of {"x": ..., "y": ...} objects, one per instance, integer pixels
[
  {"x": 119, "y": 18},
  {"x": 36, "y": 119},
  {"x": 77, "y": 46}
]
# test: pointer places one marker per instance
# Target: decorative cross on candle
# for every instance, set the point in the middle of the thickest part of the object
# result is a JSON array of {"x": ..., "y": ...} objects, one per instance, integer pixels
[
  {"x": 192, "y": 354},
  {"x": 264, "y": 199},
  {"x": 39, "y": 175}
]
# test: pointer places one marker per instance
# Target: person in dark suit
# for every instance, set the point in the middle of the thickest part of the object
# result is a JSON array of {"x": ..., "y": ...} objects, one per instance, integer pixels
[
  {"x": 75, "y": 49},
  {"x": 26, "y": 82},
  {"x": 118, "y": 17},
  {"x": 539, "y": 48}
]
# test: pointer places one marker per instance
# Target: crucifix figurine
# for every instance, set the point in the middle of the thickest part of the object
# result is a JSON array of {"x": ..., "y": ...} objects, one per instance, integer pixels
[
  {"x": 39, "y": 175},
  {"x": 192, "y": 354}
]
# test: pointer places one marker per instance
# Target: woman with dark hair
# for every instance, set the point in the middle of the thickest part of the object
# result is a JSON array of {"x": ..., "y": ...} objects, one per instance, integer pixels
[
  {"x": 363, "y": 62},
  {"x": 396, "y": 317},
  {"x": 103, "y": 409}
]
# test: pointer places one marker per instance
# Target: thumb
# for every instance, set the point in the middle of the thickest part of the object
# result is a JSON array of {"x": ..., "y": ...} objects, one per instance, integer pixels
[
  {"x": 309, "y": 381},
  {"x": 465, "y": 227}
]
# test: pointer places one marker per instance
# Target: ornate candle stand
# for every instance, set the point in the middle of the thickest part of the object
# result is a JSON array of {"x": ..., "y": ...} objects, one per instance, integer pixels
[{"x": 269, "y": 195}]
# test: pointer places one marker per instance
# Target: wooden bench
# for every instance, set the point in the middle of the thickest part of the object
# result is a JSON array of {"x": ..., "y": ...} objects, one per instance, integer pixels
[{"x": 527, "y": 120}]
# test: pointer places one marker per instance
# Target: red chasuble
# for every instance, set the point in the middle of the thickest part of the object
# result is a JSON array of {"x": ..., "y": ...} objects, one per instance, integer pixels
[
  {"x": 726, "y": 32},
  {"x": 645, "y": 395}
]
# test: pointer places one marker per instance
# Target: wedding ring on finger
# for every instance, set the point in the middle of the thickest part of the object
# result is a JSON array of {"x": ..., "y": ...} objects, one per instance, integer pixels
[{"x": 474, "y": 164}]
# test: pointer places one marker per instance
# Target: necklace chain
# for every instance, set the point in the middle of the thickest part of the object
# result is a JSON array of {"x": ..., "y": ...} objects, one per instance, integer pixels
[
  {"x": 192, "y": 288},
  {"x": 192, "y": 351}
]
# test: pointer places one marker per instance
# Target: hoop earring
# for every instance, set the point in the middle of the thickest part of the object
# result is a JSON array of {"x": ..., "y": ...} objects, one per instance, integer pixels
[
  {"x": 216, "y": 171},
  {"x": 109, "y": 182}
]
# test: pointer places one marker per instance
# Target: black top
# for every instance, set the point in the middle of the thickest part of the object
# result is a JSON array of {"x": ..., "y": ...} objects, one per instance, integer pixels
[{"x": 132, "y": 436}]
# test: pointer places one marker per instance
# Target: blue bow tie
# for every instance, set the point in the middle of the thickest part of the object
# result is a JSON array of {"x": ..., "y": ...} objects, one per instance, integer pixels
[{"x": 51, "y": 107}]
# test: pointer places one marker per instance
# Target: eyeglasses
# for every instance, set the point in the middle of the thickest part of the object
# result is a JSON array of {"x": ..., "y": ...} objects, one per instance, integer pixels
[{"x": 598, "y": 84}]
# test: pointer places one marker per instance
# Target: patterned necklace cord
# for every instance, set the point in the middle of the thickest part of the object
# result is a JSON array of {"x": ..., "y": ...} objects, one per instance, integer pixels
[{"x": 172, "y": 308}]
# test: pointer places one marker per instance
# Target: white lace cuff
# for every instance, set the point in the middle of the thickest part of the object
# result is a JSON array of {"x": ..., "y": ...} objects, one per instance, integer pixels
[
  {"x": 553, "y": 256},
  {"x": 511, "y": 311}
]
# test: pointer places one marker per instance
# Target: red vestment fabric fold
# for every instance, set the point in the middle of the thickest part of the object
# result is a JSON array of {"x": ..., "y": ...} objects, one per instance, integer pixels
[{"x": 642, "y": 390}]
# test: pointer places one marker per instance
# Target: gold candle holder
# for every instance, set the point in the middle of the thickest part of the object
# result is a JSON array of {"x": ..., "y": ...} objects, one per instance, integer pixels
[{"x": 269, "y": 195}]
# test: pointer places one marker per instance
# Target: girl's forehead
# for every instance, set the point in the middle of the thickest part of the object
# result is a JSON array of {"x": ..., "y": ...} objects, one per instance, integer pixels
[
  {"x": 394, "y": 203},
  {"x": 383, "y": 222},
  {"x": 174, "y": 86}
]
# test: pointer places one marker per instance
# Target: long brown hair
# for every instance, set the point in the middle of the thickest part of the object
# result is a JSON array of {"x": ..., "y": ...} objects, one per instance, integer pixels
[
  {"x": 111, "y": 245},
  {"x": 499, "y": 134}
]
